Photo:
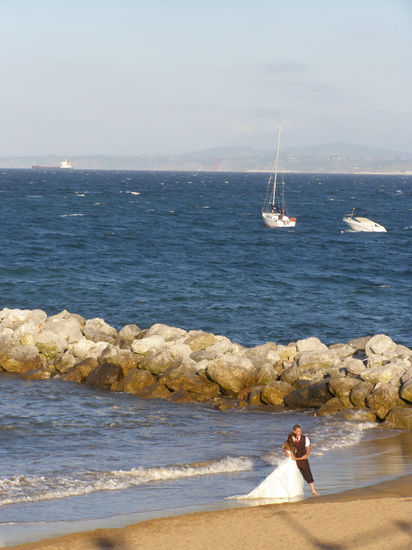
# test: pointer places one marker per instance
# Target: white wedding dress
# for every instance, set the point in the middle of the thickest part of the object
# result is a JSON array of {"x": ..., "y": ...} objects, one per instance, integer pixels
[{"x": 284, "y": 482}]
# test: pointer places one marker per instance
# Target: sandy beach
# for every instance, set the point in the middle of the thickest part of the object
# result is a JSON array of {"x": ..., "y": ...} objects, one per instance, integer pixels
[{"x": 377, "y": 517}]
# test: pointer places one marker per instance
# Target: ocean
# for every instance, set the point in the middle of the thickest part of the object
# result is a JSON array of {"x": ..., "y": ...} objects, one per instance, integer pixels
[{"x": 189, "y": 250}]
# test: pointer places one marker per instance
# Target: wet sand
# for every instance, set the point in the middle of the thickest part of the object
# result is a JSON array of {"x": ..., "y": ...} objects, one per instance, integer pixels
[{"x": 376, "y": 517}]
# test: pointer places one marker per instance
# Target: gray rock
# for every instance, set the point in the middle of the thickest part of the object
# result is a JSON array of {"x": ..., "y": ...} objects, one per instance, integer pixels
[
  {"x": 310, "y": 344},
  {"x": 136, "y": 381},
  {"x": 166, "y": 332},
  {"x": 199, "y": 340},
  {"x": 342, "y": 388},
  {"x": 400, "y": 417},
  {"x": 98, "y": 330},
  {"x": 290, "y": 375},
  {"x": 275, "y": 393},
  {"x": 105, "y": 376},
  {"x": 406, "y": 376},
  {"x": 20, "y": 359},
  {"x": 265, "y": 354},
  {"x": 287, "y": 353},
  {"x": 66, "y": 325},
  {"x": 406, "y": 390},
  {"x": 49, "y": 343},
  {"x": 360, "y": 393},
  {"x": 64, "y": 362},
  {"x": 354, "y": 366},
  {"x": 312, "y": 396},
  {"x": 380, "y": 344},
  {"x": 384, "y": 374},
  {"x": 331, "y": 407},
  {"x": 359, "y": 344},
  {"x": 342, "y": 350},
  {"x": 129, "y": 333},
  {"x": 317, "y": 359},
  {"x": 266, "y": 374},
  {"x": 383, "y": 398},
  {"x": 148, "y": 345},
  {"x": 231, "y": 373}
]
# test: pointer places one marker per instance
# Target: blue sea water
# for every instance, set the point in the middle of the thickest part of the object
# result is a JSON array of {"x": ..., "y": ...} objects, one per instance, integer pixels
[{"x": 188, "y": 249}]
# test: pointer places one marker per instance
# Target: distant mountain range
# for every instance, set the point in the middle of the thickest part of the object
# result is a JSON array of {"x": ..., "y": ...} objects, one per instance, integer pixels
[{"x": 329, "y": 158}]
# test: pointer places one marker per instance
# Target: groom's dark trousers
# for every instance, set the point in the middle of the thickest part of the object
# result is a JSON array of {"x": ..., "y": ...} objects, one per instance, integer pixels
[{"x": 303, "y": 465}]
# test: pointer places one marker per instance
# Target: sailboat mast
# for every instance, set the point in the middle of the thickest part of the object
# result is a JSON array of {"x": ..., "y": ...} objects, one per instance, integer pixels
[{"x": 276, "y": 167}]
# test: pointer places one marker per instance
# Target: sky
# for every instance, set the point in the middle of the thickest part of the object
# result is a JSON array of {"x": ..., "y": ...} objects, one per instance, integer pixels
[{"x": 132, "y": 77}]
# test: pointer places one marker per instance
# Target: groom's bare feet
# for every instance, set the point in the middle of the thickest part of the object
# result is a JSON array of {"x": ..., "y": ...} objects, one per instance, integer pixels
[{"x": 315, "y": 494}]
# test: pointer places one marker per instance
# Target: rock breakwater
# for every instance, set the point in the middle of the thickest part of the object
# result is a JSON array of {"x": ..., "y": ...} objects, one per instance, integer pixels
[{"x": 368, "y": 378}]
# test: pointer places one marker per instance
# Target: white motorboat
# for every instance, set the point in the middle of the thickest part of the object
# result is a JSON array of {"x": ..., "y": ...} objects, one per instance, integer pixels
[
  {"x": 272, "y": 214},
  {"x": 358, "y": 223}
]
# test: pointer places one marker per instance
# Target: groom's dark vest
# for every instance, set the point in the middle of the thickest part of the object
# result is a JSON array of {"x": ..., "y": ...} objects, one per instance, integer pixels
[
  {"x": 303, "y": 465},
  {"x": 301, "y": 446}
]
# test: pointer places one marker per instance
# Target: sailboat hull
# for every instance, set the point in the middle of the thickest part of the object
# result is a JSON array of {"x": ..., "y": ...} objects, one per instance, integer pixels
[{"x": 274, "y": 220}]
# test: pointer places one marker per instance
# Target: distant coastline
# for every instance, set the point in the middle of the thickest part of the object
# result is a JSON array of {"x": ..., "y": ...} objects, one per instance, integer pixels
[{"x": 339, "y": 158}]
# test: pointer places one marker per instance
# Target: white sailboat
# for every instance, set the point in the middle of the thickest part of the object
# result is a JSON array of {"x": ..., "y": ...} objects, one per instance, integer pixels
[
  {"x": 274, "y": 215},
  {"x": 358, "y": 223}
]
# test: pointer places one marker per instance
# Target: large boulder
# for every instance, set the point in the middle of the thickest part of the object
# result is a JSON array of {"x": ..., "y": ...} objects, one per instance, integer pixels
[
  {"x": 62, "y": 363},
  {"x": 290, "y": 374},
  {"x": 156, "y": 363},
  {"x": 274, "y": 393},
  {"x": 380, "y": 344},
  {"x": 155, "y": 391},
  {"x": 105, "y": 376},
  {"x": 359, "y": 344},
  {"x": 20, "y": 358},
  {"x": 136, "y": 381},
  {"x": 310, "y": 344},
  {"x": 231, "y": 373},
  {"x": 184, "y": 378},
  {"x": 375, "y": 360},
  {"x": 383, "y": 398},
  {"x": 66, "y": 325},
  {"x": 222, "y": 347},
  {"x": 287, "y": 353},
  {"x": 14, "y": 318},
  {"x": 198, "y": 340},
  {"x": 148, "y": 345},
  {"x": 98, "y": 330},
  {"x": 360, "y": 393},
  {"x": 342, "y": 350},
  {"x": 80, "y": 371},
  {"x": 166, "y": 332},
  {"x": 83, "y": 349},
  {"x": 354, "y": 366},
  {"x": 342, "y": 388},
  {"x": 400, "y": 417},
  {"x": 407, "y": 375},
  {"x": 384, "y": 374},
  {"x": 312, "y": 396},
  {"x": 406, "y": 390},
  {"x": 36, "y": 374},
  {"x": 322, "y": 359},
  {"x": 266, "y": 374},
  {"x": 266, "y": 354},
  {"x": 48, "y": 343},
  {"x": 333, "y": 406},
  {"x": 129, "y": 333},
  {"x": 116, "y": 356}
]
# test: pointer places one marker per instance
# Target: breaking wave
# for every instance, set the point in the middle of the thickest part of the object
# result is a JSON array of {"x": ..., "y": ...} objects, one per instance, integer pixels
[{"x": 25, "y": 488}]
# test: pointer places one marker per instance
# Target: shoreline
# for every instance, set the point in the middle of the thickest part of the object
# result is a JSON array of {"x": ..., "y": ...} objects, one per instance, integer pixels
[
  {"x": 386, "y": 506},
  {"x": 390, "y": 458}
]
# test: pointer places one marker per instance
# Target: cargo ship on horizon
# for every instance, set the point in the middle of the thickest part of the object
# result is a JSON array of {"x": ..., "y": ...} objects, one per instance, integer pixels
[{"x": 64, "y": 165}]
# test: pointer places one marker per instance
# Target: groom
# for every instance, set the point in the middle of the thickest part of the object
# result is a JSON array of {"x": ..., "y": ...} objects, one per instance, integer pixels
[{"x": 302, "y": 447}]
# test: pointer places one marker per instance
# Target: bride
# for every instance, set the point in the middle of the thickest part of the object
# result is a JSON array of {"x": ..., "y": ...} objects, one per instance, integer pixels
[{"x": 284, "y": 482}]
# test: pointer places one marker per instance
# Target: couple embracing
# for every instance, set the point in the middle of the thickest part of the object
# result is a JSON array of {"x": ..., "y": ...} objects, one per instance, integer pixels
[{"x": 287, "y": 480}]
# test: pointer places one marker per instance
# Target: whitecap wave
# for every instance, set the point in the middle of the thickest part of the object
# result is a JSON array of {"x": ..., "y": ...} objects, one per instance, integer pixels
[
  {"x": 26, "y": 488},
  {"x": 327, "y": 437}
]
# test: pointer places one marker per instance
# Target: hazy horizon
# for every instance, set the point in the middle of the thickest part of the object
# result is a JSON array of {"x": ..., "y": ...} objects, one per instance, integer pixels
[{"x": 168, "y": 78}]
